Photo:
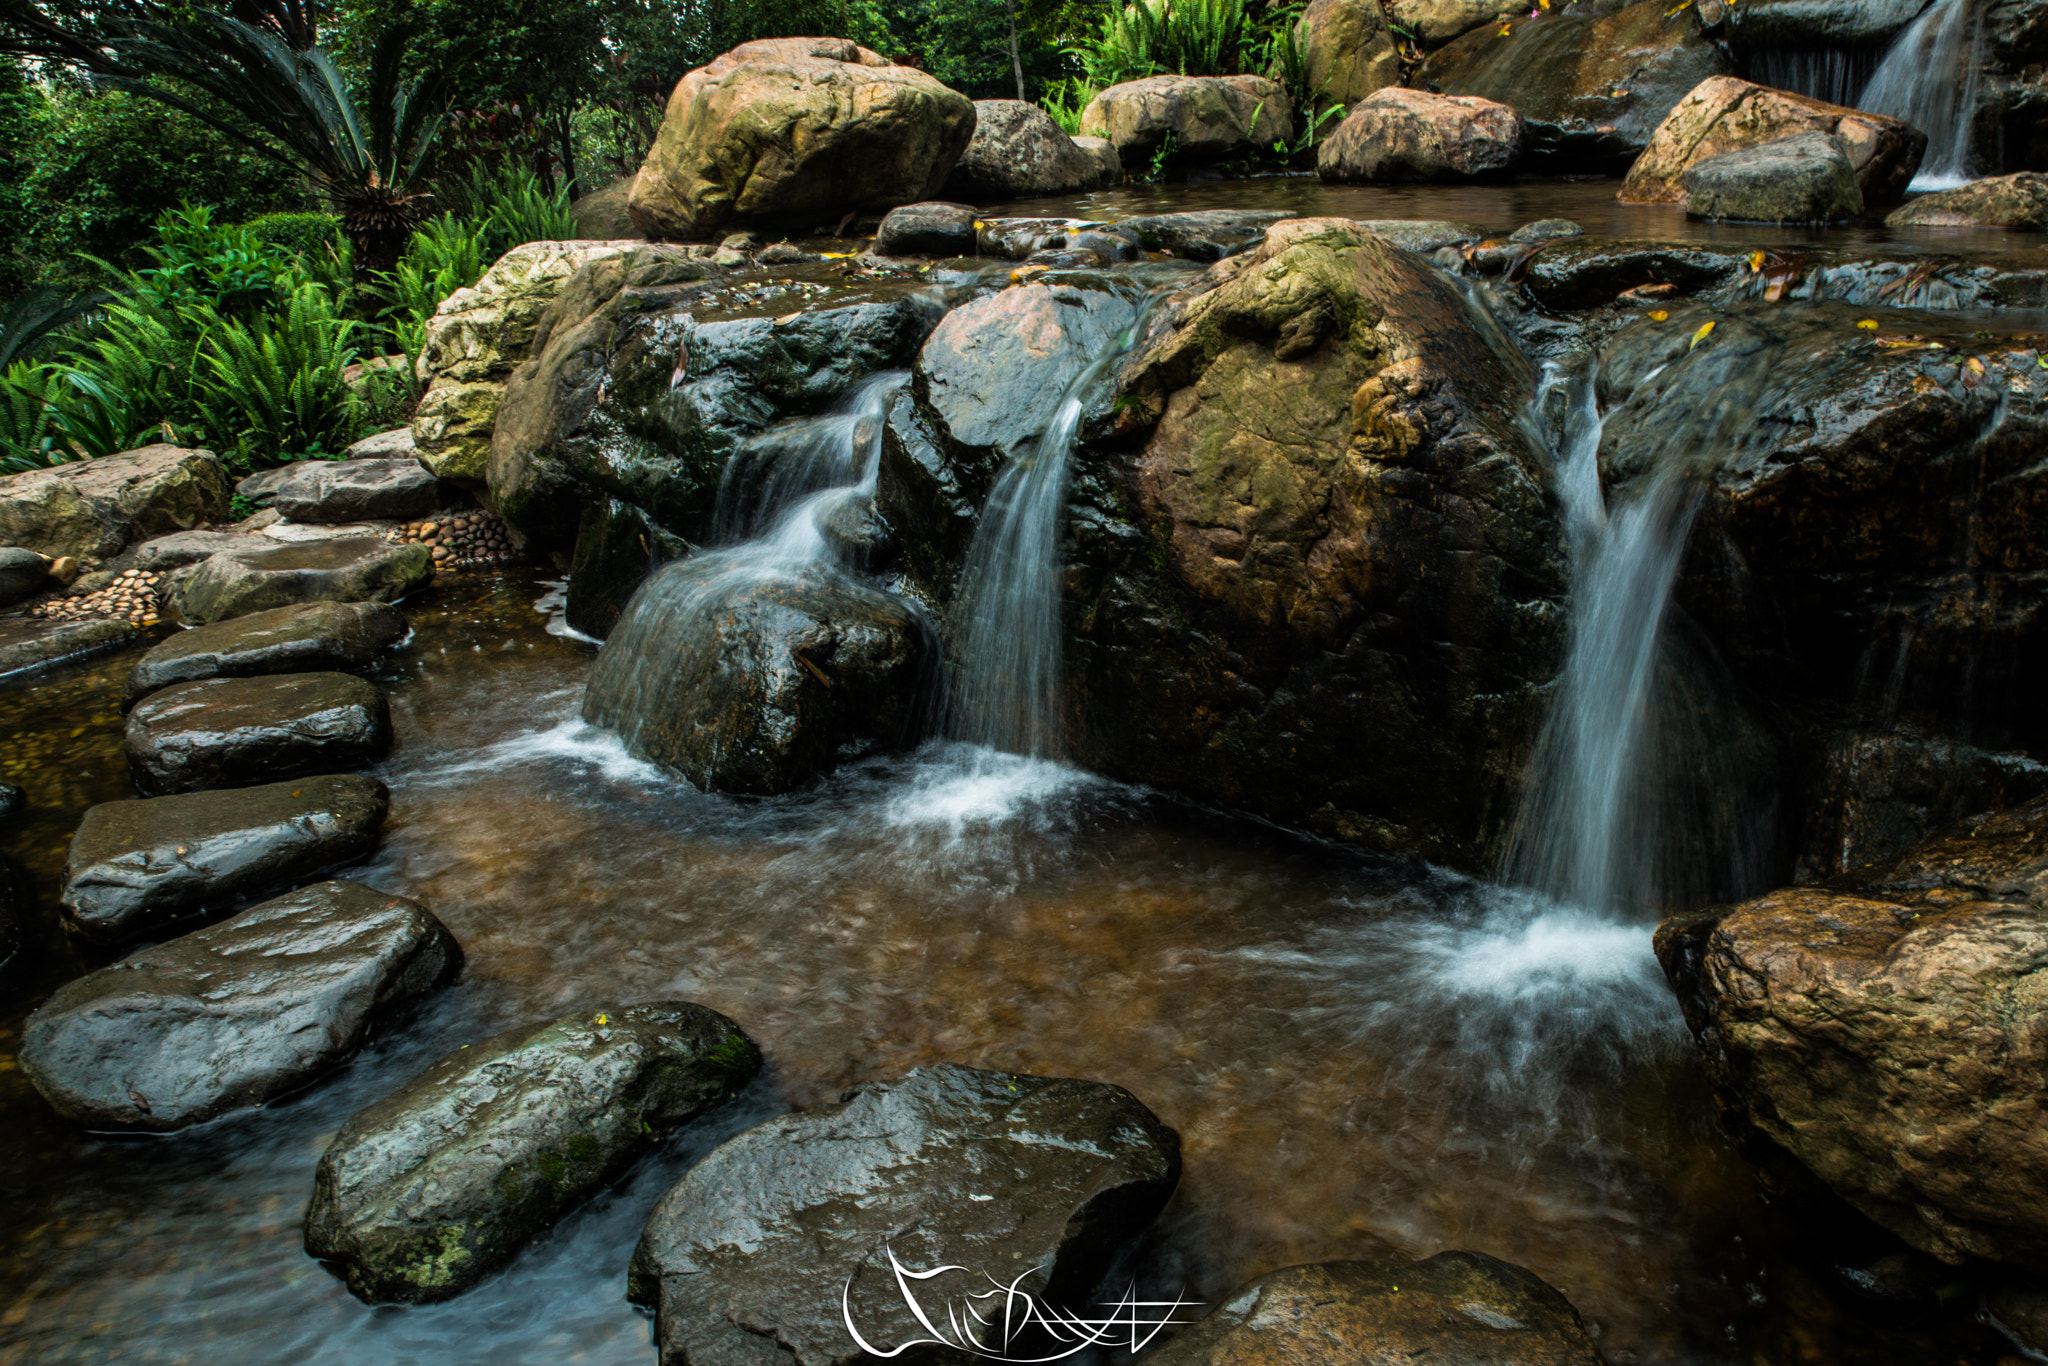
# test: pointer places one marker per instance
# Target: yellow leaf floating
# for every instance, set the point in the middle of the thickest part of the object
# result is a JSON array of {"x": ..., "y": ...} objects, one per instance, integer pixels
[
  {"x": 603, "y": 1019},
  {"x": 1660, "y": 315},
  {"x": 1700, "y": 335},
  {"x": 1868, "y": 324},
  {"x": 1506, "y": 29},
  {"x": 1756, "y": 261}
]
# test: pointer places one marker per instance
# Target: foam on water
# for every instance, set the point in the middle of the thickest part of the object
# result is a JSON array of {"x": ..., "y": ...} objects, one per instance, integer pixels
[
  {"x": 554, "y": 605},
  {"x": 962, "y": 786}
]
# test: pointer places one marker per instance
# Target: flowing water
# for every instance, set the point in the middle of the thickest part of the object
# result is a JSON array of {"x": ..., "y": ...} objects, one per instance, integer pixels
[{"x": 1929, "y": 78}]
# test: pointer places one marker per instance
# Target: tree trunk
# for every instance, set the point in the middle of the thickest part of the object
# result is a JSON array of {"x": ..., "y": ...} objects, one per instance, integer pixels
[{"x": 1016, "y": 62}]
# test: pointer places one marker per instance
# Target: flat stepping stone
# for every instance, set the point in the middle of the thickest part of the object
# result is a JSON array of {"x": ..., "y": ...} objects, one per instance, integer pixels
[
  {"x": 28, "y": 643},
  {"x": 237, "y": 582},
  {"x": 137, "y": 866},
  {"x": 315, "y": 636},
  {"x": 1031, "y": 1181},
  {"x": 1455, "y": 1309},
  {"x": 228, "y": 732},
  {"x": 235, "y": 1014},
  {"x": 186, "y": 547},
  {"x": 356, "y": 490},
  {"x": 428, "y": 1191}
]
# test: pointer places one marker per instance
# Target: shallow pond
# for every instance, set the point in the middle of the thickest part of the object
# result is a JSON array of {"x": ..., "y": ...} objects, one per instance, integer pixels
[{"x": 1363, "y": 1057}]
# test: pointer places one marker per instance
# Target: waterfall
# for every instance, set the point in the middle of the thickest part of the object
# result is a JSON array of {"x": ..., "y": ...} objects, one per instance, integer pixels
[
  {"x": 1002, "y": 690},
  {"x": 1929, "y": 78}
]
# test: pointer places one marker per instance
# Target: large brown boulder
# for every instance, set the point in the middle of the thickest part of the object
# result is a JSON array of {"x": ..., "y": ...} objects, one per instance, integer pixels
[
  {"x": 1346, "y": 49},
  {"x": 797, "y": 130},
  {"x": 1018, "y": 152},
  {"x": 1409, "y": 135},
  {"x": 1723, "y": 114},
  {"x": 1591, "y": 81},
  {"x": 1436, "y": 22},
  {"x": 92, "y": 509},
  {"x": 2007, "y": 201},
  {"x": 1207, "y": 117},
  {"x": 1890, "y": 1033}
]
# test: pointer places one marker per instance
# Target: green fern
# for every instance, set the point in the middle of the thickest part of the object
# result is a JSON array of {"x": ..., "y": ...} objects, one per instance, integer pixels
[{"x": 274, "y": 390}]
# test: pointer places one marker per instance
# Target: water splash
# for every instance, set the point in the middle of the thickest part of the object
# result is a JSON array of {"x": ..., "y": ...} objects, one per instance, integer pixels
[{"x": 1929, "y": 78}]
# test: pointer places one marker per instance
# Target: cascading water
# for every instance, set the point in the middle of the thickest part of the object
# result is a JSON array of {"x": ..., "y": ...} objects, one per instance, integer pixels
[
  {"x": 1003, "y": 689},
  {"x": 1929, "y": 78}
]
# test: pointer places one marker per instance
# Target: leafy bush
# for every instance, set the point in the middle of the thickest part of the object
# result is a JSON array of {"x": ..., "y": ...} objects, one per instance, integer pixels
[
  {"x": 508, "y": 206},
  {"x": 1149, "y": 37},
  {"x": 301, "y": 234},
  {"x": 273, "y": 389},
  {"x": 1066, "y": 101}
]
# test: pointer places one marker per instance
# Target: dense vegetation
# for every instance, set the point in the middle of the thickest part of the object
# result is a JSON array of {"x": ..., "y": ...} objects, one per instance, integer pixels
[{"x": 209, "y": 218}]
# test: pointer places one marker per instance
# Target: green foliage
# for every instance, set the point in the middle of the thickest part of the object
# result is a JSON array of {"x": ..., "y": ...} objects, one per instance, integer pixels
[
  {"x": 509, "y": 206},
  {"x": 272, "y": 389},
  {"x": 301, "y": 234},
  {"x": 37, "y": 314},
  {"x": 1066, "y": 101},
  {"x": 1184, "y": 37}
]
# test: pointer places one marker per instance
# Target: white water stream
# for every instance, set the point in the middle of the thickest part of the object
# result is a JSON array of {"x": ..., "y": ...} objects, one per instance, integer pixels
[{"x": 1929, "y": 78}]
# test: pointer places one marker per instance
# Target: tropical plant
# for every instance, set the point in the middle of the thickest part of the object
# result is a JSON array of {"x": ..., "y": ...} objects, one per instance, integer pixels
[
  {"x": 510, "y": 206},
  {"x": 1066, "y": 101},
  {"x": 32, "y": 317},
  {"x": 288, "y": 100},
  {"x": 300, "y": 234},
  {"x": 1147, "y": 37},
  {"x": 275, "y": 388}
]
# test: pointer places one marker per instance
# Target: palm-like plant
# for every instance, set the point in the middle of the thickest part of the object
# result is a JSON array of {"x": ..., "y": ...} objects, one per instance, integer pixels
[
  {"x": 288, "y": 101},
  {"x": 36, "y": 314}
]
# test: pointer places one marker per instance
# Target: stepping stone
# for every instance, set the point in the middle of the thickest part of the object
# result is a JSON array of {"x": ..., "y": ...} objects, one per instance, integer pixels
[
  {"x": 431, "y": 1189},
  {"x": 225, "y": 732},
  {"x": 314, "y": 636},
  {"x": 185, "y": 547},
  {"x": 1010, "y": 1179},
  {"x": 1456, "y": 1309},
  {"x": 33, "y": 642},
  {"x": 138, "y": 866},
  {"x": 235, "y": 1014},
  {"x": 249, "y": 579},
  {"x": 356, "y": 490}
]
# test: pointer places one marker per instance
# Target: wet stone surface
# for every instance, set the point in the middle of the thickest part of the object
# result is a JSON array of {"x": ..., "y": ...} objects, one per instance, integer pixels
[
  {"x": 228, "y": 732},
  {"x": 235, "y": 1014},
  {"x": 235, "y": 583},
  {"x": 314, "y": 636}
]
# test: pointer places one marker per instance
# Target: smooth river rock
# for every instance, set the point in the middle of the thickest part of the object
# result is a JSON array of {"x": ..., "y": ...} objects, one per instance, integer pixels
[
  {"x": 1412, "y": 135},
  {"x": 434, "y": 1187},
  {"x": 2018, "y": 202},
  {"x": 933, "y": 229},
  {"x": 236, "y": 582},
  {"x": 1031, "y": 1181},
  {"x": 91, "y": 509},
  {"x": 797, "y": 131},
  {"x": 1806, "y": 178},
  {"x": 1889, "y": 1032},
  {"x": 1206, "y": 117},
  {"x": 138, "y": 866},
  {"x": 1018, "y": 152},
  {"x": 312, "y": 637},
  {"x": 1455, "y": 1309},
  {"x": 235, "y": 1014},
  {"x": 357, "y": 490},
  {"x": 226, "y": 732}
]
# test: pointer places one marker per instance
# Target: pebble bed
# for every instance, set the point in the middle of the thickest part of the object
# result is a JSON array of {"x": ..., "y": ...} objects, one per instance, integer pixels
[
  {"x": 461, "y": 538},
  {"x": 132, "y": 597}
]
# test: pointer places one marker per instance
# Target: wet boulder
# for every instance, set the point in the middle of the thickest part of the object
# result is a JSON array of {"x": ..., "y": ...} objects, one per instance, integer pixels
[
  {"x": 1029, "y": 1181},
  {"x": 1207, "y": 117},
  {"x": 1591, "y": 81},
  {"x": 1412, "y": 135},
  {"x": 357, "y": 490},
  {"x": 1203, "y": 234},
  {"x": 477, "y": 337},
  {"x": 1880, "y": 793},
  {"x": 1455, "y": 1309},
  {"x": 1889, "y": 1033},
  {"x": 431, "y": 1189},
  {"x": 1757, "y": 26},
  {"x": 1347, "y": 52},
  {"x": 91, "y": 509},
  {"x": 797, "y": 132},
  {"x": 236, "y": 1014},
  {"x": 23, "y": 574},
  {"x": 1436, "y": 22},
  {"x": 312, "y": 637},
  {"x": 1018, "y": 152},
  {"x": 1316, "y": 567},
  {"x": 1806, "y": 178},
  {"x": 1723, "y": 114},
  {"x": 2018, "y": 201},
  {"x": 267, "y": 574},
  {"x": 935, "y": 229},
  {"x": 747, "y": 680},
  {"x": 138, "y": 866},
  {"x": 226, "y": 732},
  {"x": 613, "y": 441}
]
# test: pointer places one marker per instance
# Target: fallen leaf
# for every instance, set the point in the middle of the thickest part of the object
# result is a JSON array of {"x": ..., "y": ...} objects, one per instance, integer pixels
[
  {"x": 1700, "y": 335},
  {"x": 1659, "y": 316},
  {"x": 1868, "y": 324}
]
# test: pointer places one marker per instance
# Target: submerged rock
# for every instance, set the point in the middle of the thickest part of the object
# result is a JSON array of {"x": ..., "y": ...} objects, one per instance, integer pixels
[
  {"x": 1805, "y": 178},
  {"x": 235, "y": 1014},
  {"x": 745, "y": 681},
  {"x": 1027, "y": 1180},
  {"x": 14, "y": 901},
  {"x": 797, "y": 131},
  {"x": 1206, "y": 117},
  {"x": 91, "y": 509},
  {"x": 357, "y": 490},
  {"x": 312, "y": 637},
  {"x": 1407, "y": 135},
  {"x": 430, "y": 1190},
  {"x": 1890, "y": 1033},
  {"x": 138, "y": 866},
  {"x": 1591, "y": 80},
  {"x": 28, "y": 644},
  {"x": 13, "y": 801},
  {"x": 1018, "y": 152},
  {"x": 2009, "y": 201},
  {"x": 224, "y": 732},
  {"x": 1723, "y": 114},
  {"x": 1455, "y": 1309},
  {"x": 233, "y": 583},
  {"x": 1204, "y": 234}
]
